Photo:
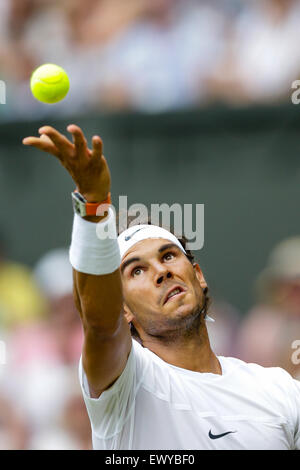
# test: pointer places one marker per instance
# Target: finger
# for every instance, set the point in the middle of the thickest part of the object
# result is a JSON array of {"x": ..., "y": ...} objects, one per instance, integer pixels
[
  {"x": 42, "y": 144},
  {"x": 97, "y": 147},
  {"x": 45, "y": 138},
  {"x": 60, "y": 141},
  {"x": 78, "y": 138}
]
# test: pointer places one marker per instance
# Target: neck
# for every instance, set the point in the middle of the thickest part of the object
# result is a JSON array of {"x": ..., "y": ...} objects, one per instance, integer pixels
[{"x": 187, "y": 351}]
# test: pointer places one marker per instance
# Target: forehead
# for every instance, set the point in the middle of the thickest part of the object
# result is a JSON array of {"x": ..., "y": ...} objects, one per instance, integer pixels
[{"x": 147, "y": 248}]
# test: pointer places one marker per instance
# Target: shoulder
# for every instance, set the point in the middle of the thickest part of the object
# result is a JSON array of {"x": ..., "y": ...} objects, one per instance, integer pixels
[
  {"x": 275, "y": 375},
  {"x": 274, "y": 383}
]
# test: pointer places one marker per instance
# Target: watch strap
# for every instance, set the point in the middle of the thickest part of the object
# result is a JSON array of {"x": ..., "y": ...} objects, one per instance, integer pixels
[{"x": 84, "y": 208}]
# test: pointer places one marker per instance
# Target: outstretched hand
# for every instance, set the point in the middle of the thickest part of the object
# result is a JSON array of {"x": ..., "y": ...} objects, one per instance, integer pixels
[{"x": 88, "y": 168}]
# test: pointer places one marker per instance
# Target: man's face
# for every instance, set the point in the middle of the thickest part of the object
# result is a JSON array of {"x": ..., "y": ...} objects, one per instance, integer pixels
[{"x": 162, "y": 290}]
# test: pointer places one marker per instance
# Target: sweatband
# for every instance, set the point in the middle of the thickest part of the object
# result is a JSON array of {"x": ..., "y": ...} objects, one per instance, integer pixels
[
  {"x": 94, "y": 247},
  {"x": 137, "y": 233}
]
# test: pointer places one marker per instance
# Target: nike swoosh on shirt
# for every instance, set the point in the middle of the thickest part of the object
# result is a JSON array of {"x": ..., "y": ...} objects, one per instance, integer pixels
[{"x": 217, "y": 436}]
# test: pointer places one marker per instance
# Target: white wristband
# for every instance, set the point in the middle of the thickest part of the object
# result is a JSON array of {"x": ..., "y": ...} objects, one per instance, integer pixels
[{"x": 91, "y": 254}]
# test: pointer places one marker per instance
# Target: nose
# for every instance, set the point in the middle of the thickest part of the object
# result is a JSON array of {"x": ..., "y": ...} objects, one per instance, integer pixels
[{"x": 162, "y": 276}]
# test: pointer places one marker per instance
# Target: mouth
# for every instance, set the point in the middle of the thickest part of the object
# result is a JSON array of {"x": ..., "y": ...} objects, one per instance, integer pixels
[{"x": 173, "y": 293}]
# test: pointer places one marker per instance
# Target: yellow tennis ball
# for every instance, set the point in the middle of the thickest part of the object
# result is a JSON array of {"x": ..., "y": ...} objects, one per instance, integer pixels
[{"x": 49, "y": 83}]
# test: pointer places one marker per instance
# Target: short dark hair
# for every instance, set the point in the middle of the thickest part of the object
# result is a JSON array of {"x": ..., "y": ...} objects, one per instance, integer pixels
[{"x": 189, "y": 254}]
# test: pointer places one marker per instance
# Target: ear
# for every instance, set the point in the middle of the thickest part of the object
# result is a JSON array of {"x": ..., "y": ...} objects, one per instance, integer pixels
[
  {"x": 199, "y": 275},
  {"x": 127, "y": 313}
]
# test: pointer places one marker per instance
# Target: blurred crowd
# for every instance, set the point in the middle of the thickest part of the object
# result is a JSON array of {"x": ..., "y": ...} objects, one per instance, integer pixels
[
  {"x": 41, "y": 406},
  {"x": 149, "y": 56}
]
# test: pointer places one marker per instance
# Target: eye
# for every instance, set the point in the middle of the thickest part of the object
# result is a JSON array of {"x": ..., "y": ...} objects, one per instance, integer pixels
[
  {"x": 168, "y": 256},
  {"x": 136, "y": 271}
]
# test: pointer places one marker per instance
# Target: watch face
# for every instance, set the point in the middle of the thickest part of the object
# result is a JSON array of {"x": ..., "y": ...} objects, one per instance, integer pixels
[
  {"x": 80, "y": 197},
  {"x": 79, "y": 204}
]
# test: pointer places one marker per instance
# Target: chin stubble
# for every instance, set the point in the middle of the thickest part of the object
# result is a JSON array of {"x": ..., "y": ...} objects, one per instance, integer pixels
[{"x": 173, "y": 329}]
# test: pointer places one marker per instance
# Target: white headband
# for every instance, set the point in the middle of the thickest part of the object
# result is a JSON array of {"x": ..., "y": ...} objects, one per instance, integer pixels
[{"x": 135, "y": 234}]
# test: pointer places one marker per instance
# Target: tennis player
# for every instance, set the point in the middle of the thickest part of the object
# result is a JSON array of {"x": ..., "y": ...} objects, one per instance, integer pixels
[{"x": 164, "y": 388}]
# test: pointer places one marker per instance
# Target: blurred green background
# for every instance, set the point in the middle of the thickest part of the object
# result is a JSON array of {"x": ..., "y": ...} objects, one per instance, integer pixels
[{"x": 242, "y": 164}]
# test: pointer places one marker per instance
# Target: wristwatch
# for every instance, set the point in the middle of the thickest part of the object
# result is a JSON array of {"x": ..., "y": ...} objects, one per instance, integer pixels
[{"x": 84, "y": 208}]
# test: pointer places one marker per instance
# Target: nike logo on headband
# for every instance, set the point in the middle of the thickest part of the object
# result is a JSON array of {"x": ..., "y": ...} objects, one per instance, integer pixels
[{"x": 130, "y": 236}]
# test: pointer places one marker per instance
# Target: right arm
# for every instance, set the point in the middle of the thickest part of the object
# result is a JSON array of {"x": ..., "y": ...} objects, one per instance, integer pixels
[{"x": 99, "y": 299}]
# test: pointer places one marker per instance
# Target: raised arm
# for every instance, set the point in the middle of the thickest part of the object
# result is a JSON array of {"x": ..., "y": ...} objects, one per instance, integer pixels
[{"x": 99, "y": 300}]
